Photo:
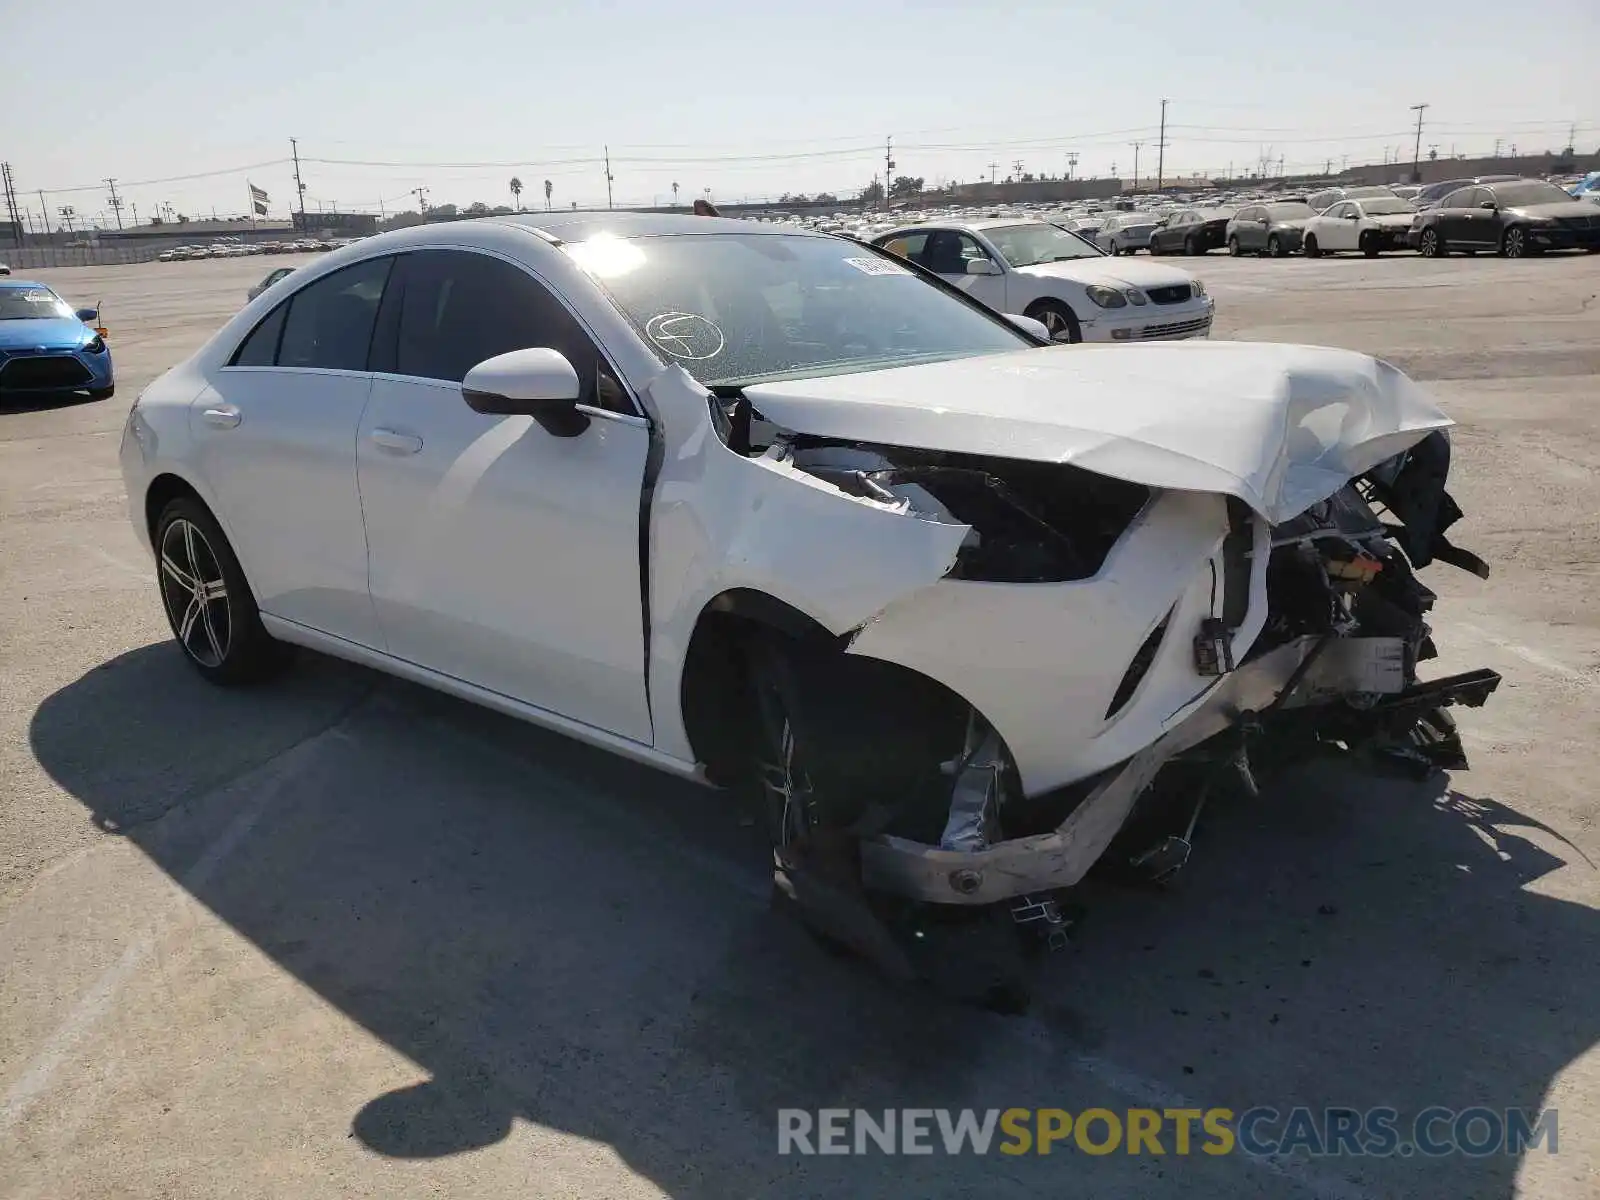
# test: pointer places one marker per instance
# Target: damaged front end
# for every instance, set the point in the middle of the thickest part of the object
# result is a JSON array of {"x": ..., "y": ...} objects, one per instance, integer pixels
[{"x": 1055, "y": 747}]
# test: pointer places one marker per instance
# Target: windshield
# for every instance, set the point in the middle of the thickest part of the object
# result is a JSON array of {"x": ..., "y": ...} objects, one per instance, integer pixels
[
  {"x": 1384, "y": 206},
  {"x": 1029, "y": 245},
  {"x": 738, "y": 308},
  {"x": 1290, "y": 212},
  {"x": 25, "y": 304},
  {"x": 1531, "y": 192}
]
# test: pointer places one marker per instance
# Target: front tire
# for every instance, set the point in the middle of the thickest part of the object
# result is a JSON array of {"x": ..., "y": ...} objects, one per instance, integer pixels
[
  {"x": 1115, "y": 250},
  {"x": 1369, "y": 245},
  {"x": 1432, "y": 245},
  {"x": 1060, "y": 320},
  {"x": 207, "y": 599},
  {"x": 1233, "y": 247},
  {"x": 1275, "y": 247},
  {"x": 1312, "y": 249},
  {"x": 1191, "y": 247},
  {"x": 1514, "y": 243}
]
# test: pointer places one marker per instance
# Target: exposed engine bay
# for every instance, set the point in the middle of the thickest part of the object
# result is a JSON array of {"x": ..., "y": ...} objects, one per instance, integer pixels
[{"x": 898, "y": 802}]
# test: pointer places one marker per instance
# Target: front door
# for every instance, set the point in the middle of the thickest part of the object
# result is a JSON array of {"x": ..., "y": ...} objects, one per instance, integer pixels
[
  {"x": 275, "y": 439},
  {"x": 498, "y": 553},
  {"x": 947, "y": 254}
]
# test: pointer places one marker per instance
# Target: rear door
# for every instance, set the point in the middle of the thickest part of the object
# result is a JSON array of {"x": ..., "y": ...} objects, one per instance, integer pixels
[
  {"x": 498, "y": 553},
  {"x": 275, "y": 438}
]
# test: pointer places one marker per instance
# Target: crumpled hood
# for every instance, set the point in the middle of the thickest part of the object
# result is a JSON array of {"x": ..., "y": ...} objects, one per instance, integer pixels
[
  {"x": 1280, "y": 427},
  {"x": 53, "y": 333},
  {"x": 1128, "y": 271}
]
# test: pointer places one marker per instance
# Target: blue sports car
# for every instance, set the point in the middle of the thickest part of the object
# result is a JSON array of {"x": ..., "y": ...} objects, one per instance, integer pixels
[{"x": 46, "y": 348}]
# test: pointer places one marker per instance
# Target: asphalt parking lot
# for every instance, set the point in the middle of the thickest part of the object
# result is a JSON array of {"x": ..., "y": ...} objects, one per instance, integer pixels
[{"x": 343, "y": 937}]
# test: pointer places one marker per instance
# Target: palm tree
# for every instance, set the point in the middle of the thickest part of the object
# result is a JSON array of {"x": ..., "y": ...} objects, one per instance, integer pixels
[
  {"x": 548, "y": 188},
  {"x": 516, "y": 192},
  {"x": 674, "y": 194}
]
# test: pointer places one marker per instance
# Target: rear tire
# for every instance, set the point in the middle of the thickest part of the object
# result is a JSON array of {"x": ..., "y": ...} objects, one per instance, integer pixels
[
  {"x": 1275, "y": 247},
  {"x": 1115, "y": 249},
  {"x": 207, "y": 599},
  {"x": 1191, "y": 247},
  {"x": 1233, "y": 247}
]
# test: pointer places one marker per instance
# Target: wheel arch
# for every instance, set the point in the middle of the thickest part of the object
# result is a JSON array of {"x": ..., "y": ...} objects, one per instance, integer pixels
[
  {"x": 717, "y": 705},
  {"x": 1074, "y": 322},
  {"x": 162, "y": 491}
]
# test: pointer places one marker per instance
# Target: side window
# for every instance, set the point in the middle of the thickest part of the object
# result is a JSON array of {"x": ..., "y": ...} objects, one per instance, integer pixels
[
  {"x": 330, "y": 321},
  {"x": 907, "y": 245},
  {"x": 1460, "y": 198},
  {"x": 460, "y": 308},
  {"x": 1340, "y": 211},
  {"x": 260, "y": 348},
  {"x": 1479, "y": 197}
]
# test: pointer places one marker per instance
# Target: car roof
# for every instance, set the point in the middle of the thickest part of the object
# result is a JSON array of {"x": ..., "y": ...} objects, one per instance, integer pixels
[{"x": 14, "y": 282}]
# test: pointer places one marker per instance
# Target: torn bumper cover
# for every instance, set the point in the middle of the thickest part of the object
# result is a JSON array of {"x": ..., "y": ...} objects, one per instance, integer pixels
[{"x": 1291, "y": 676}]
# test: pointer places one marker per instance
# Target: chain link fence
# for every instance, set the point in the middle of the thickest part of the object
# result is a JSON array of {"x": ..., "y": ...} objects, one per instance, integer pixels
[{"x": 28, "y": 258}]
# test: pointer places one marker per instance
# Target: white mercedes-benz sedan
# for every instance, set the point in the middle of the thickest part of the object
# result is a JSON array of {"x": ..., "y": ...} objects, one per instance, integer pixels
[
  {"x": 1059, "y": 279},
  {"x": 965, "y": 611}
]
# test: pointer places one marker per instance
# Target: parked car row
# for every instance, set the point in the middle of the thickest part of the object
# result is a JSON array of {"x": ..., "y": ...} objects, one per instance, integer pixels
[
  {"x": 1509, "y": 216},
  {"x": 238, "y": 249}
]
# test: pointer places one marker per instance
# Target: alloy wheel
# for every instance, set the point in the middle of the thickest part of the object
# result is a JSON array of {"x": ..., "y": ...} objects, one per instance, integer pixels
[
  {"x": 195, "y": 594},
  {"x": 1055, "y": 324},
  {"x": 1430, "y": 244},
  {"x": 1516, "y": 245}
]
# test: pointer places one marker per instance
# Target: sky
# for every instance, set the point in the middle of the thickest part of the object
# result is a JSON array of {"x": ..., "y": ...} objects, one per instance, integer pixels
[{"x": 183, "y": 102}]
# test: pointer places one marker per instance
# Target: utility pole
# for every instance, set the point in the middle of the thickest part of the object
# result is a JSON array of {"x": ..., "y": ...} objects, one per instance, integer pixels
[
  {"x": 44, "y": 213},
  {"x": 608, "y": 177},
  {"x": 1161, "y": 150},
  {"x": 1072, "y": 163},
  {"x": 1016, "y": 166},
  {"x": 300, "y": 188},
  {"x": 888, "y": 167},
  {"x": 11, "y": 202},
  {"x": 135, "y": 206},
  {"x": 116, "y": 202},
  {"x": 1416, "y": 151},
  {"x": 993, "y": 168},
  {"x": 1136, "y": 146},
  {"x": 421, "y": 194}
]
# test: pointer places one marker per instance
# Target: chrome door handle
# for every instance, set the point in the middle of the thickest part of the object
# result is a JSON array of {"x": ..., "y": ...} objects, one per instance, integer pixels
[
  {"x": 393, "y": 439},
  {"x": 225, "y": 416}
]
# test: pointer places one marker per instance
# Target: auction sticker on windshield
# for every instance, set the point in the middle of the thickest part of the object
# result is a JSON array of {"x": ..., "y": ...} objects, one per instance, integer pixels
[
  {"x": 686, "y": 335},
  {"x": 876, "y": 266}
]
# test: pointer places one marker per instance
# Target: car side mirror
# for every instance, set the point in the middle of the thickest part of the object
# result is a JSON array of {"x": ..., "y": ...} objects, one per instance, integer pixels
[
  {"x": 1029, "y": 325},
  {"x": 1352, "y": 216},
  {"x": 88, "y": 315},
  {"x": 538, "y": 382},
  {"x": 981, "y": 266},
  {"x": 1489, "y": 204}
]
